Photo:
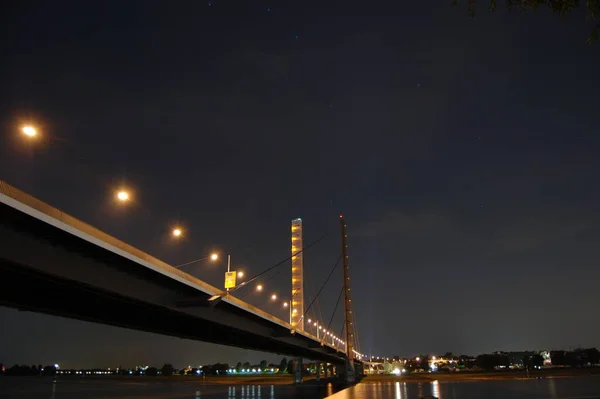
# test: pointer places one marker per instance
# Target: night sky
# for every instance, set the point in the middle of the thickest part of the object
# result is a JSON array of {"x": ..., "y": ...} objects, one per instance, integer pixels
[{"x": 463, "y": 154}]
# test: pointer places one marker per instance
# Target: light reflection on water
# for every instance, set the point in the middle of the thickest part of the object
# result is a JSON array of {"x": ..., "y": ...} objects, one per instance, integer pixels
[
  {"x": 550, "y": 388},
  {"x": 42, "y": 388}
]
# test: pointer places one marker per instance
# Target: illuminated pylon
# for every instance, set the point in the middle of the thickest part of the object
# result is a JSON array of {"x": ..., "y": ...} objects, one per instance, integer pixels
[
  {"x": 297, "y": 302},
  {"x": 348, "y": 318}
]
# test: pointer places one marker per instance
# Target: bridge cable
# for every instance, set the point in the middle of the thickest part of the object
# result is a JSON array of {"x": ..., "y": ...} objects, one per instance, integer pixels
[
  {"x": 334, "y": 310},
  {"x": 323, "y": 286},
  {"x": 279, "y": 264},
  {"x": 319, "y": 315},
  {"x": 357, "y": 339}
]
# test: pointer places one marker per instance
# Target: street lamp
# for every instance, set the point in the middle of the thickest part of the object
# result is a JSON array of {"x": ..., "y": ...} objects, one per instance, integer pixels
[
  {"x": 274, "y": 297},
  {"x": 177, "y": 232}
]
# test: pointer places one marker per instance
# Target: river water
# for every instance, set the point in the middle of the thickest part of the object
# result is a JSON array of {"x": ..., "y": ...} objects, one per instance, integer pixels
[{"x": 549, "y": 388}]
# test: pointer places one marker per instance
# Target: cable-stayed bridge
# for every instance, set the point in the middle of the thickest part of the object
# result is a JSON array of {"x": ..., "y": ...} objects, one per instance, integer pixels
[{"x": 52, "y": 263}]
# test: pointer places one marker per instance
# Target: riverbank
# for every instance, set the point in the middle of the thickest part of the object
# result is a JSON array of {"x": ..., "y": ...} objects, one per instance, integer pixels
[
  {"x": 277, "y": 379},
  {"x": 484, "y": 375}
]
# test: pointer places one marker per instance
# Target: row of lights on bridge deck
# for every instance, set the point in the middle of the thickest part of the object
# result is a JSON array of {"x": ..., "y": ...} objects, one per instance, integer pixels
[
  {"x": 123, "y": 195},
  {"x": 286, "y": 304}
]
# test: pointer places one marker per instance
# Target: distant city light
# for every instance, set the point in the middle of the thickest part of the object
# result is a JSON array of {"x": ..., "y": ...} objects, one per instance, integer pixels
[{"x": 29, "y": 131}]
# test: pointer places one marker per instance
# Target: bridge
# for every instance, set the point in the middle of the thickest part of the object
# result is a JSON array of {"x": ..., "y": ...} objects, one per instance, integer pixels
[{"x": 52, "y": 263}]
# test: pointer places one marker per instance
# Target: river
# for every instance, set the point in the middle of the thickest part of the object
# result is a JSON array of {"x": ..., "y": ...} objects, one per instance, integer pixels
[{"x": 47, "y": 388}]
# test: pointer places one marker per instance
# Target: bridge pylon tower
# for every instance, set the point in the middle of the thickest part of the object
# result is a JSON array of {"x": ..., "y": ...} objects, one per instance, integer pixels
[
  {"x": 297, "y": 296},
  {"x": 349, "y": 374}
]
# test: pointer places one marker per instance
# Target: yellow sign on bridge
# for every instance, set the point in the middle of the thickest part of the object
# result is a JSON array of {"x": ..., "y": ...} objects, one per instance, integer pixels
[{"x": 230, "y": 279}]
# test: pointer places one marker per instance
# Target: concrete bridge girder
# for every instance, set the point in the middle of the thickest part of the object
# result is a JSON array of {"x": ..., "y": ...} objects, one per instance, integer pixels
[{"x": 46, "y": 253}]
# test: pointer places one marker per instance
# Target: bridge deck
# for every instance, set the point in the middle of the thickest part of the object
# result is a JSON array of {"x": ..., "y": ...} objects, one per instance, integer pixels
[{"x": 33, "y": 207}]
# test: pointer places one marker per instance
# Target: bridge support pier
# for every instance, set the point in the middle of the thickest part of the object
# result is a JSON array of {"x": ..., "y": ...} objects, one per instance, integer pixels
[
  {"x": 360, "y": 370},
  {"x": 297, "y": 371},
  {"x": 318, "y": 371},
  {"x": 346, "y": 372}
]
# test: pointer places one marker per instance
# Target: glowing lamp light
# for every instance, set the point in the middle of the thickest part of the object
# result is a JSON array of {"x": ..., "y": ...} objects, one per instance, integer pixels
[
  {"x": 259, "y": 287},
  {"x": 285, "y": 304},
  {"x": 29, "y": 131},
  {"x": 240, "y": 274},
  {"x": 123, "y": 196},
  {"x": 177, "y": 232},
  {"x": 214, "y": 256},
  {"x": 274, "y": 297}
]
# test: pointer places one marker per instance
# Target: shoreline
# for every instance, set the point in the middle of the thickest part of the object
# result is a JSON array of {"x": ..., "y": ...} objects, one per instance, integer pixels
[
  {"x": 311, "y": 379},
  {"x": 484, "y": 376}
]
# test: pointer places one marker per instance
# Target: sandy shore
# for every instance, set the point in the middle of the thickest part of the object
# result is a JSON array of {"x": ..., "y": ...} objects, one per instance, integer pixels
[{"x": 482, "y": 376}]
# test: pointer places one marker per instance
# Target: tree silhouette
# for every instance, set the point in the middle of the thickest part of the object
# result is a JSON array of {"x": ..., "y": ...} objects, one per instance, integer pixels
[
  {"x": 283, "y": 365},
  {"x": 263, "y": 365},
  {"x": 151, "y": 371},
  {"x": 424, "y": 362},
  {"x": 560, "y": 7},
  {"x": 238, "y": 367},
  {"x": 537, "y": 360},
  {"x": 167, "y": 369},
  {"x": 593, "y": 355}
]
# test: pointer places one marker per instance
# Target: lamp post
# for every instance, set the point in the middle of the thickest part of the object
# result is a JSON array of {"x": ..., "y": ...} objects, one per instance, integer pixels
[
  {"x": 286, "y": 305},
  {"x": 228, "y": 272}
]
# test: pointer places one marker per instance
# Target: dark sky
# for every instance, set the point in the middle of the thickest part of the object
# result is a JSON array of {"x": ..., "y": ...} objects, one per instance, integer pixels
[{"x": 463, "y": 154}]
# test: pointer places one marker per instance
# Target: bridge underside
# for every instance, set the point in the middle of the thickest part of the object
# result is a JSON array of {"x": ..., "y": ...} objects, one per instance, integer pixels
[
  {"x": 30, "y": 290},
  {"x": 48, "y": 270}
]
